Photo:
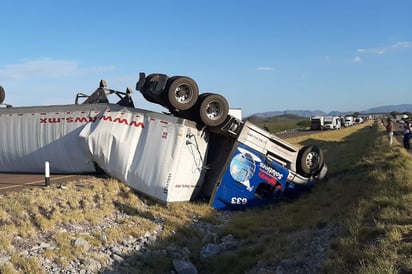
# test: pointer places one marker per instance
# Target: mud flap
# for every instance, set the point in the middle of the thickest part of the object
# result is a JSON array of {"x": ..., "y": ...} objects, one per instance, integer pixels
[{"x": 160, "y": 85}]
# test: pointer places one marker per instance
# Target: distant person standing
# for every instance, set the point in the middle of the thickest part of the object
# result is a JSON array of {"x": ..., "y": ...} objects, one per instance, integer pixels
[
  {"x": 407, "y": 135},
  {"x": 407, "y": 127},
  {"x": 407, "y": 140},
  {"x": 389, "y": 129}
]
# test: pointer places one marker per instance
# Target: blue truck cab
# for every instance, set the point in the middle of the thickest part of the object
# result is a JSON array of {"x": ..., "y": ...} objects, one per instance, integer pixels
[{"x": 248, "y": 166}]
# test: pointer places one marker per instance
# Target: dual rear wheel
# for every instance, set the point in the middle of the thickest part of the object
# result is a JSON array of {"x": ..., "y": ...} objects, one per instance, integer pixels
[
  {"x": 180, "y": 94},
  {"x": 213, "y": 109}
]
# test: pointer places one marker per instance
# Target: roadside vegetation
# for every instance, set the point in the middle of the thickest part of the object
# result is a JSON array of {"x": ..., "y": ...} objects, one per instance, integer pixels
[
  {"x": 281, "y": 123},
  {"x": 369, "y": 194},
  {"x": 359, "y": 221}
]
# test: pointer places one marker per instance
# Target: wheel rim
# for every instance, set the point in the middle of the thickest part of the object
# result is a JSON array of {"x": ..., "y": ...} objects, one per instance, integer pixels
[
  {"x": 312, "y": 160},
  {"x": 214, "y": 110},
  {"x": 183, "y": 94}
]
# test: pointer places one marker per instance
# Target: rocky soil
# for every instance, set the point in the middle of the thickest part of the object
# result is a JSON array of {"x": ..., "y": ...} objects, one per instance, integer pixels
[{"x": 120, "y": 257}]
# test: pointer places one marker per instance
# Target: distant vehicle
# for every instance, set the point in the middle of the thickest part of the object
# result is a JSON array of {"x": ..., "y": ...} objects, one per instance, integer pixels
[
  {"x": 316, "y": 122},
  {"x": 401, "y": 117},
  {"x": 348, "y": 121},
  {"x": 331, "y": 122},
  {"x": 358, "y": 120}
]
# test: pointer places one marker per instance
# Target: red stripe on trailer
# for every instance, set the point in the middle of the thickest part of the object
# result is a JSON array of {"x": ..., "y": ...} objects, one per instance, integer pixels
[{"x": 164, "y": 122}]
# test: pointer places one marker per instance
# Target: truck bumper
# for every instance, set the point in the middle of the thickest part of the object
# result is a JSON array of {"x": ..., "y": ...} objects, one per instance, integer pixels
[{"x": 295, "y": 178}]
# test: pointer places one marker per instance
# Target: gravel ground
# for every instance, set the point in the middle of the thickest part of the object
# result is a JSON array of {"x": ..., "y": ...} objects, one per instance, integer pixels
[{"x": 114, "y": 258}]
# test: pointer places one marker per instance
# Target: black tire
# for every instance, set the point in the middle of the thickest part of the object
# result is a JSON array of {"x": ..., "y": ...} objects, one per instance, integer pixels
[
  {"x": 2, "y": 94},
  {"x": 213, "y": 109},
  {"x": 182, "y": 92},
  {"x": 310, "y": 160}
]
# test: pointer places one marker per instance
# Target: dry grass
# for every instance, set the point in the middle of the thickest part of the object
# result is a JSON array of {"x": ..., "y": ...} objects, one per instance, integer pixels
[
  {"x": 366, "y": 199},
  {"x": 58, "y": 213},
  {"x": 377, "y": 225}
]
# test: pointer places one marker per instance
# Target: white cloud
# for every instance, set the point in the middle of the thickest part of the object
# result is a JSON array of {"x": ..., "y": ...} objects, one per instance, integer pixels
[
  {"x": 385, "y": 49},
  {"x": 47, "y": 67},
  {"x": 357, "y": 59},
  {"x": 264, "y": 68}
]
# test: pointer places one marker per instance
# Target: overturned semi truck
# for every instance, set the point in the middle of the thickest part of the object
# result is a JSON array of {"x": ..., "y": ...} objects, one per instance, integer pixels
[{"x": 195, "y": 150}]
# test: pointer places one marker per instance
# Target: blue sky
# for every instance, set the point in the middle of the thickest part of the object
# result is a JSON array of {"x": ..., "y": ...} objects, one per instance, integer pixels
[{"x": 261, "y": 55}]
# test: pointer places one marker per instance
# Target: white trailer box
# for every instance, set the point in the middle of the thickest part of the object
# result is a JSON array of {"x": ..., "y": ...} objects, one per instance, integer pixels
[
  {"x": 332, "y": 122},
  {"x": 316, "y": 122},
  {"x": 29, "y": 136},
  {"x": 348, "y": 121},
  {"x": 156, "y": 154},
  {"x": 236, "y": 112},
  {"x": 159, "y": 155}
]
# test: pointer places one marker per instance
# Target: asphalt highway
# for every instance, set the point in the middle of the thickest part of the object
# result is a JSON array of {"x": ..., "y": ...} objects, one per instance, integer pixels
[{"x": 14, "y": 182}]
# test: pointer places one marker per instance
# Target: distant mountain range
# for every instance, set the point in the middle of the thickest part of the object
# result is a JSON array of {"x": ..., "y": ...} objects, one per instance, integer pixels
[{"x": 308, "y": 113}]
